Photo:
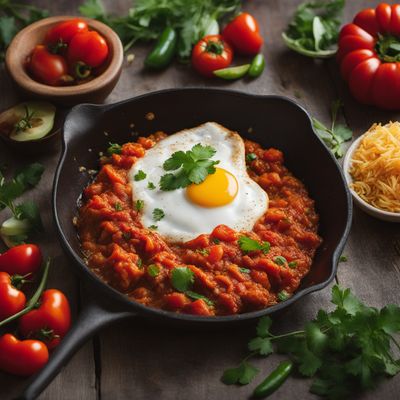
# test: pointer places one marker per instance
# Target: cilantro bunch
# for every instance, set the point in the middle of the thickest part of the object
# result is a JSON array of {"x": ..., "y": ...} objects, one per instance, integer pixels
[
  {"x": 26, "y": 217},
  {"x": 314, "y": 29},
  {"x": 148, "y": 19},
  {"x": 345, "y": 351},
  {"x": 337, "y": 134},
  {"x": 14, "y": 17}
]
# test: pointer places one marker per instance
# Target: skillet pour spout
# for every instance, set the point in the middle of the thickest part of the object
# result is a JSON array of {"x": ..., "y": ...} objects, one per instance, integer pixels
[{"x": 272, "y": 121}]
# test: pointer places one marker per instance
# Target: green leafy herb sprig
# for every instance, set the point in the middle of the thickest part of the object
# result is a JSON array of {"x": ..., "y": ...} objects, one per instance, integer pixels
[
  {"x": 147, "y": 19},
  {"x": 192, "y": 166},
  {"x": 13, "y": 17},
  {"x": 26, "y": 217},
  {"x": 337, "y": 134},
  {"x": 345, "y": 351},
  {"x": 314, "y": 29}
]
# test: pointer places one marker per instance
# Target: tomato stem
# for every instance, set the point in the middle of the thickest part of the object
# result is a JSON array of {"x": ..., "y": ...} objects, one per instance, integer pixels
[
  {"x": 82, "y": 70},
  {"x": 215, "y": 47},
  {"x": 34, "y": 299},
  {"x": 388, "y": 48}
]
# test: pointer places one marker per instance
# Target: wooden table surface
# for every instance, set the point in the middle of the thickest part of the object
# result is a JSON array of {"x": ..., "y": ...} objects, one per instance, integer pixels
[{"x": 135, "y": 360}]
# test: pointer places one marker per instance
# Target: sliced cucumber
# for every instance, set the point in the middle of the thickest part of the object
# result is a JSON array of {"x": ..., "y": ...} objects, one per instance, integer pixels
[
  {"x": 31, "y": 120},
  {"x": 15, "y": 227}
]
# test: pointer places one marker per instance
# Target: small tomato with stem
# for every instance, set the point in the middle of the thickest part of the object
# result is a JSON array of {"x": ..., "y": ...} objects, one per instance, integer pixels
[{"x": 12, "y": 300}]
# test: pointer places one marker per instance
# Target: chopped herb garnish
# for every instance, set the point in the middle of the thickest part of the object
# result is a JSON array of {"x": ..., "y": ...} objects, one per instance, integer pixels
[
  {"x": 283, "y": 295},
  {"x": 127, "y": 235},
  {"x": 140, "y": 175},
  {"x": 158, "y": 214},
  {"x": 193, "y": 166},
  {"x": 153, "y": 270},
  {"x": 342, "y": 258},
  {"x": 203, "y": 252},
  {"x": 247, "y": 244},
  {"x": 216, "y": 241},
  {"x": 139, "y": 263},
  {"x": 280, "y": 260},
  {"x": 197, "y": 296},
  {"x": 151, "y": 186},
  {"x": 153, "y": 227},
  {"x": 292, "y": 264},
  {"x": 139, "y": 205},
  {"x": 182, "y": 278},
  {"x": 114, "y": 148},
  {"x": 118, "y": 206},
  {"x": 251, "y": 157},
  {"x": 244, "y": 270}
]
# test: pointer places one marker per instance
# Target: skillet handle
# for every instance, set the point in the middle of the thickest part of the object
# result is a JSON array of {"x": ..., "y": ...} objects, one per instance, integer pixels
[{"x": 92, "y": 318}]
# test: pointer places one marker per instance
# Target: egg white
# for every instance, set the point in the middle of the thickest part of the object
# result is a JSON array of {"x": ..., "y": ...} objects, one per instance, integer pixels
[{"x": 183, "y": 219}]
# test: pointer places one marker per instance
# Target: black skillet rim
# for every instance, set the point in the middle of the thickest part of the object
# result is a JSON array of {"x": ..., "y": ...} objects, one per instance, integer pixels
[{"x": 158, "y": 313}]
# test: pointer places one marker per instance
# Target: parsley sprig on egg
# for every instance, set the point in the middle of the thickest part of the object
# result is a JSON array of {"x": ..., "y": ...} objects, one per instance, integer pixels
[{"x": 192, "y": 166}]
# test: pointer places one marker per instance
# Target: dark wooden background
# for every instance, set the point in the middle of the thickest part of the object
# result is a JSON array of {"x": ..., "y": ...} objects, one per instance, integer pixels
[{"x": 134, "y": 360}]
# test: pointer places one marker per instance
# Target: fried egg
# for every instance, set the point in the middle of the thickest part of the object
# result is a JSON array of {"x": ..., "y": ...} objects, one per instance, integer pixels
[{"x": 229, "y": 196}]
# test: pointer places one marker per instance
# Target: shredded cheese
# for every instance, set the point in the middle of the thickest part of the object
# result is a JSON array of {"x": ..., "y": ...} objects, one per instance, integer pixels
[{"x": 375, "y": 167}]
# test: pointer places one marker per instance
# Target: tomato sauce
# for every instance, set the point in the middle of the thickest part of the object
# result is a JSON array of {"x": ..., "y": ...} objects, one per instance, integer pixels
[{"x": 123, "y": 253}]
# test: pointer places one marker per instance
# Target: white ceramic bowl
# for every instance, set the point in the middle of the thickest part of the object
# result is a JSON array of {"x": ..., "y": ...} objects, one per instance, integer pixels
[{"x": 368, "y": 208}]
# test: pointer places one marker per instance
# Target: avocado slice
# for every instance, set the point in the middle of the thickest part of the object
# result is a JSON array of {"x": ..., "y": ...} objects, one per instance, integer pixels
[{"x": 31, "y": 120}]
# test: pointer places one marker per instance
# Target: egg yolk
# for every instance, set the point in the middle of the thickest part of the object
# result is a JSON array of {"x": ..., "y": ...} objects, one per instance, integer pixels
[{"x": 216, "y": 190}]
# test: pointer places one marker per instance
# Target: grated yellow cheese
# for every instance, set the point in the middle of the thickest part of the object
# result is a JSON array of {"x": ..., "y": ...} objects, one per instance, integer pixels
[{"x": 375, "y": 167}]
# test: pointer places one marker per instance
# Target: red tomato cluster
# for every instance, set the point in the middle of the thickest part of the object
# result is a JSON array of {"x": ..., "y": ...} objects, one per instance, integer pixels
[
  {"x": 369, "y": 56},
  {"x": 41, "y": 328},
  {"x": 213, "y": 52},
  {"x": 70, "y": 53}
]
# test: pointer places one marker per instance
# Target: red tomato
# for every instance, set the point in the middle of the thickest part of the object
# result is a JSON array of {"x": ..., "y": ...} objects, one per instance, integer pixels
[
  {"x": 243, "y": 34},
  {"x": 89, "y": 48},
  {"x": 22, "y": 358},
  {"x": 46, "y": 67},
  {"x": 12, "y": 300},
  {"x": 369, "y": 53},
  {"x": 63, "y": 32},
  {"x": 211, "y": 53},
  {"x": 50, "y": 322},
  {"x": 21, "y": 260}
]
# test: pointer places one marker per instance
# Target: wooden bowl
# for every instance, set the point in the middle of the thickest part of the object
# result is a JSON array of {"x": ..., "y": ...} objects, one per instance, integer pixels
[{"x": 94, "y": 91}]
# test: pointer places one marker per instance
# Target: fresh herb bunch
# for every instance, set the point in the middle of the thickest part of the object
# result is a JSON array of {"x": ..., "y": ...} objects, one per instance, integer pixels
[
  {"x": 148, "y": 18},
  {"x": 314, "y": 29},
  {"x": 26, "y": 217},
  {"x": 337, "y": 134},
  {"x": 13, "y": 17},
  {"x": 345, "y": 351}
]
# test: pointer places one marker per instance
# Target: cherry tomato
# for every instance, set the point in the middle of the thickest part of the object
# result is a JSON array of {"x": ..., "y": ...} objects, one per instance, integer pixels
[
  {"x": 12, "y": 300},
  {"x": 89, "y": 48},
  {"x": 22, "y": 358},
  {"x": 46, "y": 67},
  {"x": 21, "y": 260},
  {"x": 50, "y": 322},
  {"x": 62, "y": 33},
  {"x": 369, "y": 53},
  {"x": 211, "y": 53},
  {"x": 243, "y": 34}
]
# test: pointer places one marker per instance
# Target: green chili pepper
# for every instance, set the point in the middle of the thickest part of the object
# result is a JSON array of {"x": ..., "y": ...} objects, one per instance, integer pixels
[
  {"x": 257, "y": 66},
  {"x": 274, "y": 380},
  {"x": 164, "y": 50},
  {"x": 232, "y": 72}
]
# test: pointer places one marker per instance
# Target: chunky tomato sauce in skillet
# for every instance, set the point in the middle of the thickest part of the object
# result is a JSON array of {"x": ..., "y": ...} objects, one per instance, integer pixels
[{"x": 226, "y": 279}]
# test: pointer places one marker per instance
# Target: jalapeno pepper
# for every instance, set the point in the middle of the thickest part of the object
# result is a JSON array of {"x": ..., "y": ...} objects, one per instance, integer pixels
[
  {"x": 232, "y": 73},
  {"x": 274, "y": 380},
  {"x": 257, "y": 66},
  {"x": 164, "y": 50}
]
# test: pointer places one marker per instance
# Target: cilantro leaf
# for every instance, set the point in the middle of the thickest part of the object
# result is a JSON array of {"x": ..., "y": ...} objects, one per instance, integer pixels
[
  {"x": 153, "y": 270},
  {"x": 389, "y": 319},
  {"x": 261, "y": 345},
  {"x": 182, "y": 278},
  {"x": 192, "y": 166},
  {"x": 29, "y": 211},
  {"x": 263, "y": 326},
  {"x": 345, "y": 300},
  {"x": 151, "y": 186},
  {"x": 197, "y": 296},
  {"x": 158, "y": 214},
  {"x": 140, "y": 175},
  {"x": 139, "y": 205},
  {"x": 247, "y": 244},
  {"x": 242, "y": 375}
]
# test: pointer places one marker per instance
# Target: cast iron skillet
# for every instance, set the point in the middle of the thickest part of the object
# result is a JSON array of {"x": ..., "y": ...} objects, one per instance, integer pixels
[{"x": 272, "y": 121}]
